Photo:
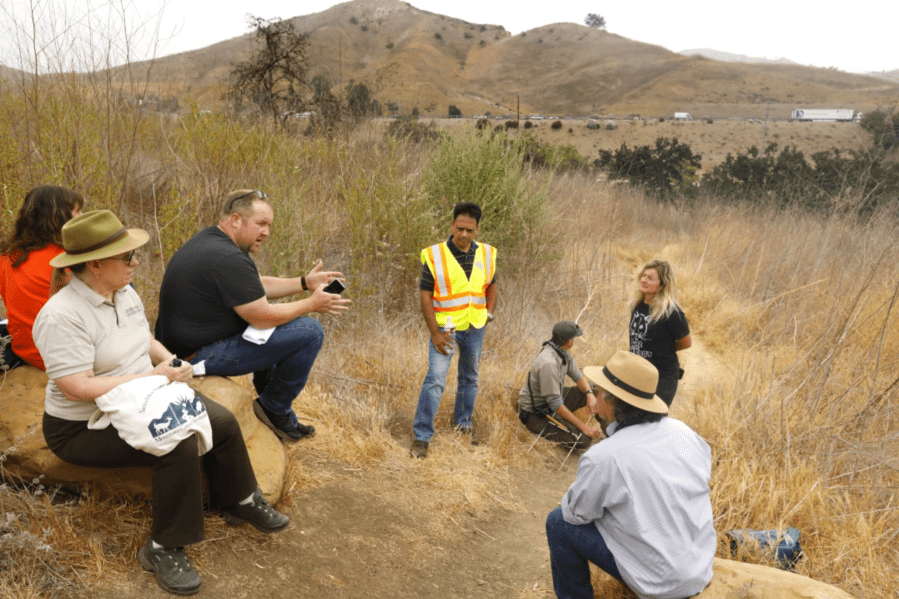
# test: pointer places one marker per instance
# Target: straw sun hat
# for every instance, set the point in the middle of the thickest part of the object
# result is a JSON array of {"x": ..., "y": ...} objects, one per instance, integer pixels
[
  {"x": 96, "y": 235},
  {"x": 631, "y": 379}
]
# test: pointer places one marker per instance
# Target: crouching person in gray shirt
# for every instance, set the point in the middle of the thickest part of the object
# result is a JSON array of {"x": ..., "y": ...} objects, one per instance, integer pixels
[
  {"x": 547, "y": 408},
  {"x": 639, "y": 507}
]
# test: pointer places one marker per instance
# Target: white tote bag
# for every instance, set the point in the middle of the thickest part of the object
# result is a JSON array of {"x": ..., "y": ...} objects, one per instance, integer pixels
[{"x": 154, "y": 415}]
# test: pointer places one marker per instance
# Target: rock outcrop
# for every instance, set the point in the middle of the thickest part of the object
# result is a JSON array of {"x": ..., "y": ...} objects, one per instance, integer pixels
[
  {"x": 750, "y": 581},
  {"x": 21, "y": 437}
]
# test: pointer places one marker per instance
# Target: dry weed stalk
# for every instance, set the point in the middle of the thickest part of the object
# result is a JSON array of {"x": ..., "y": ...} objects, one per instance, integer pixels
[{"x": 794, "y": 324}]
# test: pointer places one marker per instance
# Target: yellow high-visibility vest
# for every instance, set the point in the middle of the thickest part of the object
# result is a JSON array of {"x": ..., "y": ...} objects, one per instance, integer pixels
[{"x": 456, "y": 295}]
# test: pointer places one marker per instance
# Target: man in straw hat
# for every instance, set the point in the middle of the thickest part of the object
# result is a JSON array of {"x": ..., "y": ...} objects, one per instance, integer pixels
[
  {"x": 212, "y": 292},
  {"x": 639, "y": 507},
  {"x": 93, "y": 336},
  {"x": 544, "y": 406}
]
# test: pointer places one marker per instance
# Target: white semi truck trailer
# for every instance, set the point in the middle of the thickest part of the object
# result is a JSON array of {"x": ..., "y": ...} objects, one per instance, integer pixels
[{"x": 823, "y": 114}]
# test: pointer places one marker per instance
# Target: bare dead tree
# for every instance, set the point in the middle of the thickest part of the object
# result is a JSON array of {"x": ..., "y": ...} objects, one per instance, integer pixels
[{"x": 274, "y": 78}]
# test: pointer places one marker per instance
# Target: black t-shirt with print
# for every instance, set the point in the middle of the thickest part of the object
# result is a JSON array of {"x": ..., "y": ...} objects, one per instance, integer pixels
[{"x": 655, "y": 341}]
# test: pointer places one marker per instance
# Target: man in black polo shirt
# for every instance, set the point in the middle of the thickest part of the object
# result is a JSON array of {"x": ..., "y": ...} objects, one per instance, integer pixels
[{"x": 212, "y": 291}]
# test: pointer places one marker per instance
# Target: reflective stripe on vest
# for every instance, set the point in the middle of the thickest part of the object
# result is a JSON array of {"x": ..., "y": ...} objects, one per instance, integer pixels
[{"x": 454, "y": 294}]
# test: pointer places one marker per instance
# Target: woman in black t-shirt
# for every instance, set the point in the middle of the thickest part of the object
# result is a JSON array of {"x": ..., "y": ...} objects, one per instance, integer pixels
[{"x": 658, "y": 328}]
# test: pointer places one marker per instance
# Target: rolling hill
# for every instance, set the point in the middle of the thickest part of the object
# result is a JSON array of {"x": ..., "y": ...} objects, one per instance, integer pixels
[{"x": 418, "y": 59}]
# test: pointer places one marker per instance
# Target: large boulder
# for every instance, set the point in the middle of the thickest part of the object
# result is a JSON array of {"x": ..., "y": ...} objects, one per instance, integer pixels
[
  {"x": 22, "y": 409},
  {"x": 750, "y": 581}
]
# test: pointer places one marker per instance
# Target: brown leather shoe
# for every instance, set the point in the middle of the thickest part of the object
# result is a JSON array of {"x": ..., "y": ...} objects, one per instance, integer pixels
[
  {"x": 419, "y": 449},
  {"x": 472, "y": 433}
]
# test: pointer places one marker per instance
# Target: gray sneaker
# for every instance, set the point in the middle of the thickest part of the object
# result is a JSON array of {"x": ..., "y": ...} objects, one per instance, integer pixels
[
  {"x": 258, "y": 513},
  {"x": 174, "y": 573}
]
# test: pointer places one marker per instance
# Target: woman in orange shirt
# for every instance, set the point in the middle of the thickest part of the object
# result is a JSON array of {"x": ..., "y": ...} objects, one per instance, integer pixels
[{"x": 26, "y": 278}]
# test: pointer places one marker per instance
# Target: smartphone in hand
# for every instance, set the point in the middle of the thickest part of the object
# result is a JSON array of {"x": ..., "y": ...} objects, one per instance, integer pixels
[{"x": 335, "y": 286}]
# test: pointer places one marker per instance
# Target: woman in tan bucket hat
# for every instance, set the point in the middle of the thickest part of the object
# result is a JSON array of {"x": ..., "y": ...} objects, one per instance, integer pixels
[
  {"x": 639, "y": 507},
  {"x": 93, "y": 336}
]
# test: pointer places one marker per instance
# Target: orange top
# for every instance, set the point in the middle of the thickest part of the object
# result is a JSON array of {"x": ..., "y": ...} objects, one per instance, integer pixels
[{"x": 25, "y": 289}]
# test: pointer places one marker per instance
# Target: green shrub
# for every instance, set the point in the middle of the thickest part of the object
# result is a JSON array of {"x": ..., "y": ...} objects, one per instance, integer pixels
[
  {"x": 610, "y": 126},
  {"x": 386, "y": 221},
  {"x": 663, "y": 170},
  {"x": 883, "y": 127},
  {"x": 556, "y": 125},
  {"x": 413, "y": 130},
  {"x": 563, "y": 157},
  {"x": 858, "y": 181},
  {"x": 490, "y": 171}
]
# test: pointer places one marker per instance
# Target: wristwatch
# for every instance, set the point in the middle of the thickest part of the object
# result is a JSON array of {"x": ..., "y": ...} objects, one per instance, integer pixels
[{"x": 490, "y": 317}]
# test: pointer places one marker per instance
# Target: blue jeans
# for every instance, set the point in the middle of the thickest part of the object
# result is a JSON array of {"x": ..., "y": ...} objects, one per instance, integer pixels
[
  {"x": 571, "y": 547},
  {"x": 470, "y": 341},
  {"x": 280, "y": 366}
]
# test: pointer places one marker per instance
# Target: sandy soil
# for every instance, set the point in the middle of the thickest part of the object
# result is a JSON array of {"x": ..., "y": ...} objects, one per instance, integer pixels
[{"x": 352, "y": 538}]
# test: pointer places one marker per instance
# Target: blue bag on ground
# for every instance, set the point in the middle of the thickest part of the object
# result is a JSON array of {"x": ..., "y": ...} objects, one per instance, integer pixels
[{"x": 782, "y": 545}]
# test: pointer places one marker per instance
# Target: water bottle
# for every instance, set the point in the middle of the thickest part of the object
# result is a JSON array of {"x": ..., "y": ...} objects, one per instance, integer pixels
[{"x": 450, "y": 328}]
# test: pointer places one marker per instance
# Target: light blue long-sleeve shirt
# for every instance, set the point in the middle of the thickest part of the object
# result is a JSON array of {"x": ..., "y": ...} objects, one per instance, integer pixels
[{"x": 646, "y": 488}]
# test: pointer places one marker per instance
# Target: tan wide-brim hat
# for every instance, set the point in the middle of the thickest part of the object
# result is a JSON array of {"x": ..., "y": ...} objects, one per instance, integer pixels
[
  {"x": 631, "y": 379},
  {"x": 96, "y": 235}
]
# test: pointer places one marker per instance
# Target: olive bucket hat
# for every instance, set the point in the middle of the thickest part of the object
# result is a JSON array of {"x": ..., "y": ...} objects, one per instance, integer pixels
[
  {"x": 630, "y": 378},
  {"x": 96, "y": 235}
]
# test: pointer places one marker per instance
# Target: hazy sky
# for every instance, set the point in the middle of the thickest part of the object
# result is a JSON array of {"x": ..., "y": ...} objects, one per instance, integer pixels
[{"x": 853, "y": 36}]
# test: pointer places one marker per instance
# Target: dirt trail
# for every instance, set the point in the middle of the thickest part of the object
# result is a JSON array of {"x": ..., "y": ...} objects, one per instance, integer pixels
[
  {"x": 348, "y": 539},
  {"x": 365, "y": 534}
]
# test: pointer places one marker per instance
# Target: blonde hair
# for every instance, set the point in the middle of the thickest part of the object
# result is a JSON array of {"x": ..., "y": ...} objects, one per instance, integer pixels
[{"x": 664, "y": 302}]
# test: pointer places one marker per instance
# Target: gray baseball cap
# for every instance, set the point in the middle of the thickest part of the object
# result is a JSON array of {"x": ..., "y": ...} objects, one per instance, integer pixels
[{"x": 566, "y": 330}]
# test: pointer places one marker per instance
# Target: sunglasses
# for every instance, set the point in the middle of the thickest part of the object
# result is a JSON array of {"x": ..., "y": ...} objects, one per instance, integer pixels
[
  {"x": 127, "y": 258},
  {"x": 259, "y": 195}
]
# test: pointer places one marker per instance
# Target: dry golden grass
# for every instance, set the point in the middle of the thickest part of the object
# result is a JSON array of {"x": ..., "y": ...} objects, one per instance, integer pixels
[
  {"x": 711, "y": 141},
  {"x": 791, "y": 379}
]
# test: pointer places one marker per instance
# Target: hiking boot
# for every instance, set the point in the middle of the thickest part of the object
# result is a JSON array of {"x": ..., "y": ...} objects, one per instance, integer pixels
[
  {"x": 419, "y": 449},
  {"x": 258, "y": 513},
  {"x": 281, "y": 424},
  {"x": 174, "y": 573},
  {"x": 469, "y": 431}
]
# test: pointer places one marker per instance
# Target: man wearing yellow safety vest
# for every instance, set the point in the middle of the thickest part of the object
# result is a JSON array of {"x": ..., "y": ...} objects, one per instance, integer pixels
[{"x": 458, "y": 291}]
